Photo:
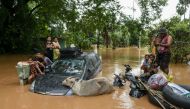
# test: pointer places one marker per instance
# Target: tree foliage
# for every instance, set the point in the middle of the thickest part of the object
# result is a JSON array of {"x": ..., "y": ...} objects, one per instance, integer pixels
[
  {"x": 182, "y": 6},
  {"x": 151, "y": 10},
  {"x": 24, "y": 22},
  {"x": 82, "y": 22},
  {"x": 180, "y": 32}
]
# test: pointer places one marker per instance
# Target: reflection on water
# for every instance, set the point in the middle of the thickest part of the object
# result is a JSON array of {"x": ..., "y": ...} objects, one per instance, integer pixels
[
  {"x": 113, "y": 60},
  {"x": 14, "y": 96}
]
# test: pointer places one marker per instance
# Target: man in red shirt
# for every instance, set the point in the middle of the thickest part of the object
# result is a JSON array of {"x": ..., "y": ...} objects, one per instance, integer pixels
[{"x": 164, "y": 52}]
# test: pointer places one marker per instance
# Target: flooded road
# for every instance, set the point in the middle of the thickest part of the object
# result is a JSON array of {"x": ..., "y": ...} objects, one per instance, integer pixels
[{"x": 15, "y": 96}]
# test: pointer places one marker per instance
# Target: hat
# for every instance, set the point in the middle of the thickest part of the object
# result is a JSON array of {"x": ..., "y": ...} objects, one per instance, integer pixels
[{"x": 162, "y": 30}]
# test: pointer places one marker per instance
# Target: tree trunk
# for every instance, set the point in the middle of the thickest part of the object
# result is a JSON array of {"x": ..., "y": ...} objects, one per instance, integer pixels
[
  {"x": 106, "y": 37},
  {"x": 98, "y": 40}
]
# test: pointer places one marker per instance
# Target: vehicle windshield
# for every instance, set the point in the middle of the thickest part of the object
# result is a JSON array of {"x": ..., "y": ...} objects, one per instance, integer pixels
[{"x": 68, "y": 67}]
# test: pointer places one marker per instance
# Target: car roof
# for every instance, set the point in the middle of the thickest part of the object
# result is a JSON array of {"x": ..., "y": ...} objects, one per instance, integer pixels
[
  {"x": 84, "y": 55},
  {"x": 74, "y": 52}
]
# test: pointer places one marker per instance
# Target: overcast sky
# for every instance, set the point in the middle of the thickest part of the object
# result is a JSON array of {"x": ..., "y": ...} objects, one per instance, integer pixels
[{"x": 168, "y": 11}]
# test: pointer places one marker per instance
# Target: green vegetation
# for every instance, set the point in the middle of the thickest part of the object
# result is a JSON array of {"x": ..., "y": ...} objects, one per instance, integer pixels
[
  {"x": 179, "y": 30},
  {"x": 182, "y": 7},
  {"x": 26, "y": 23}
]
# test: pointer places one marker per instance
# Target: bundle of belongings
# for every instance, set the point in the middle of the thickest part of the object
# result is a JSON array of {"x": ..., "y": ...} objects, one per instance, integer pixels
[
  {"x": 137, "y": 89},
  {"x": 118, "y": 81},
  {"x": 156, "y": 82},
  {"x": 150, "y": 78}
]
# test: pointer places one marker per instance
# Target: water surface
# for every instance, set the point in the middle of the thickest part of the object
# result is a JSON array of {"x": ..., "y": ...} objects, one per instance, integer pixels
[{"x": 15, "y": 96}]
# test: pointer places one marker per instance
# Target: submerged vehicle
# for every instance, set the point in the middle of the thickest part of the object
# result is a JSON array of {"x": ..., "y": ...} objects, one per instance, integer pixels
[{"x": 82, "y": 65}]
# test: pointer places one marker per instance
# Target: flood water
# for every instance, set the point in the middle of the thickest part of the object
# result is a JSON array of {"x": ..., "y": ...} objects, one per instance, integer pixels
[{"x": 15, "y": 96}]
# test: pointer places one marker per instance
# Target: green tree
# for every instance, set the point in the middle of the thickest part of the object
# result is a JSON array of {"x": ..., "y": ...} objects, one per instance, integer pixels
[
  {"x": 99, "y": 17},
  {"x": 182, "y": 7},
  {"x": 24, "y": 22},
  {"x": 179, "y": 30},
  {"x": 135, "y": 29},
  {"x": 151, "y": 10}
]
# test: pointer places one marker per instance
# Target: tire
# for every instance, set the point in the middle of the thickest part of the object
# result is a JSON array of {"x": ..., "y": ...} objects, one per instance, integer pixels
[{"x": 178, "y": 100}]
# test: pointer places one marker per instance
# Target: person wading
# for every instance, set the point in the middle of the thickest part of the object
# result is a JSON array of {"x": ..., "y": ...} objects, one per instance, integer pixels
[
  {"x": 154, "y": 45},
  {"x": 56, "y": 49},
  {"x": 164, "y": 53},
  {"x": 49, "y": 48}
]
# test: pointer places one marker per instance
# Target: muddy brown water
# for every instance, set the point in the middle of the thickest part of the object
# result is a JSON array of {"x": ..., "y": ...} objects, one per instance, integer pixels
[{"x": 15, "y": 96}]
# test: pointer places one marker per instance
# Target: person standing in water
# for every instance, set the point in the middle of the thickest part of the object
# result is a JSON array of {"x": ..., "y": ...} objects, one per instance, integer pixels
[
  {"x": 56, "y": 49},
  {"x": 164, "y": 52},
  {"x": 154, "y": 45},
  {"x": 49, "y": 48}
]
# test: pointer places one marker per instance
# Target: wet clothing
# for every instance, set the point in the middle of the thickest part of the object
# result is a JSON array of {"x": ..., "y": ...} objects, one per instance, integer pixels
[
  {"x": 156, "y": 41},
  {"x": 145, "y": 66},
  {"x": 149, "y": 68},
  {"x": 41, "y": 60},
  {"x": 47, "y": 61},
  {"x": 164, "y": 49},
  {"x": 153, "y": 51},
  {"x": 33, "y": 71},
  {"x": 56, "y": 54},
  {"x": 49, "y": 50},
  {"x": 36, "y": 58},
  {"x": 145, "y": 63},
  {"x": 56, "y": 50},
  {"x": 149, "y": 71},
  {"x": 164, "y": 54},
  {"x": 163, "y": 60}
]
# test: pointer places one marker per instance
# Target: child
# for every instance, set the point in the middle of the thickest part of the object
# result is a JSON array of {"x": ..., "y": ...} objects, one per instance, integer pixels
[
  {"x": 46, "y": 59},
  {"x": 145, "y": 64},
  {"x": 34, "y": 69},
  {"x": 152, "y": 68},
  {"x": 149, "y": 68}
]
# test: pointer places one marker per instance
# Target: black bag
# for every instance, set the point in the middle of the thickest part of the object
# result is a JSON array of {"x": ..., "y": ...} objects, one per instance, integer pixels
[
  {"x": 70, "y": 52},
  {"x": 117, "y": 81},
  {"x": 137, "y": 90},
  {"x": 134, "y": 92}
]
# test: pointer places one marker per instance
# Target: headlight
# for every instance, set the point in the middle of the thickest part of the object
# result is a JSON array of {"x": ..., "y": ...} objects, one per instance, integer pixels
[{"x": 32, "y": 86}]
